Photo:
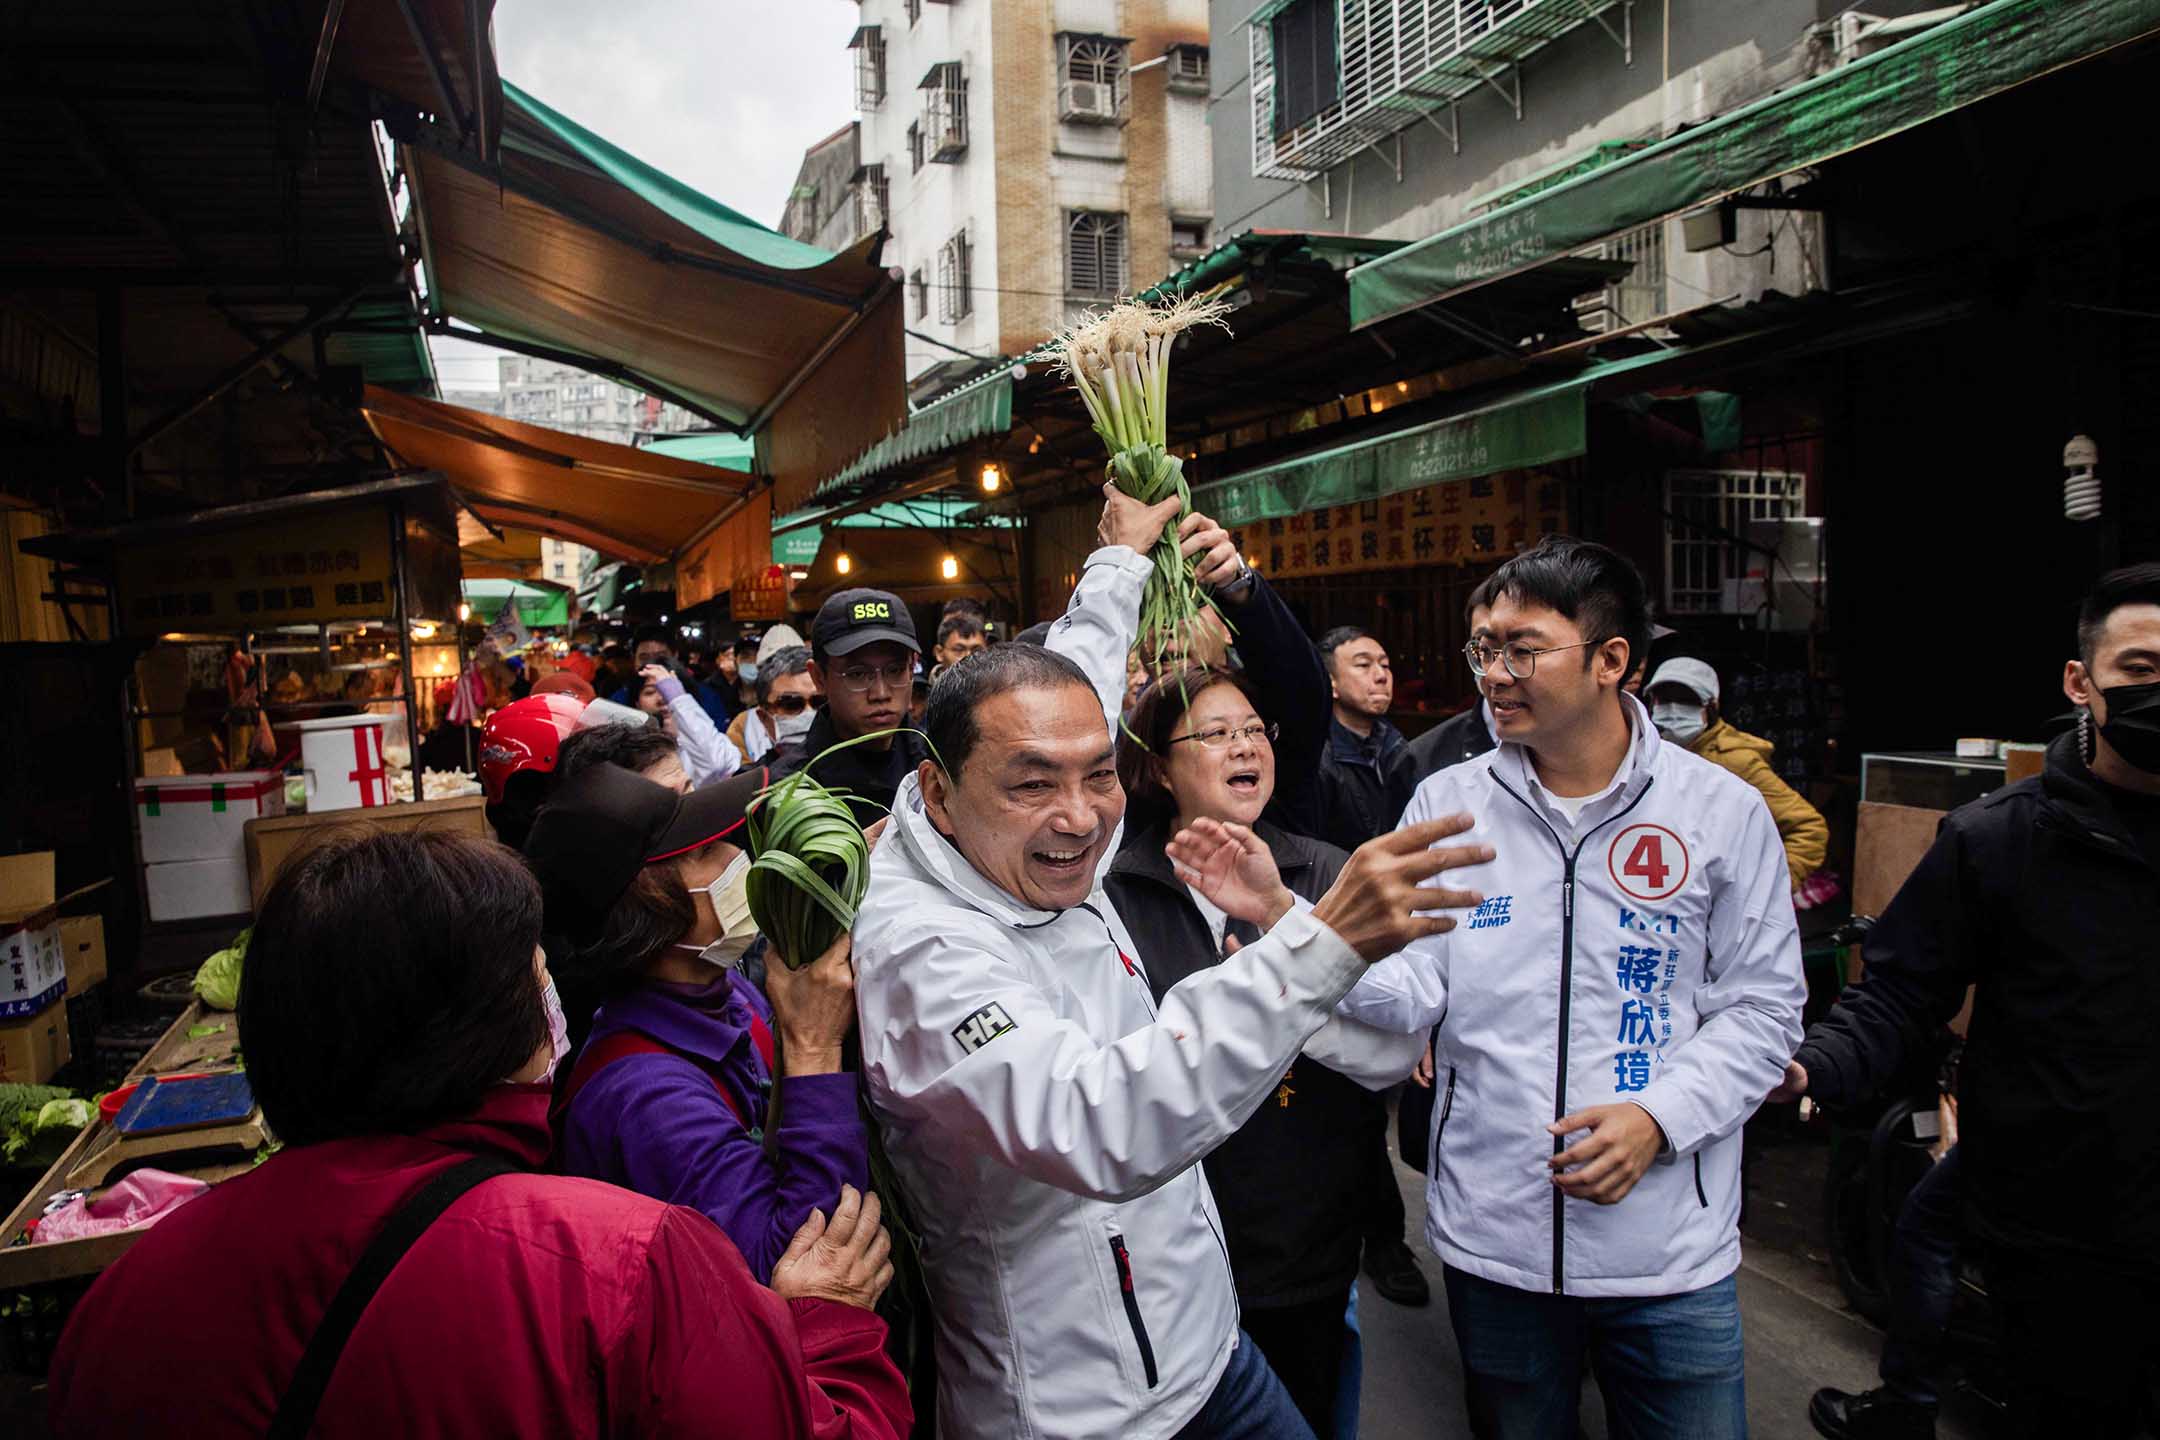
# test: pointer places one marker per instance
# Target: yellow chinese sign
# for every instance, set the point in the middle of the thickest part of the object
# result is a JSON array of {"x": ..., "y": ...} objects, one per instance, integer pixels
[
  {"x": 1458, "y": 522},
  {"x": 298, "y": 569}
]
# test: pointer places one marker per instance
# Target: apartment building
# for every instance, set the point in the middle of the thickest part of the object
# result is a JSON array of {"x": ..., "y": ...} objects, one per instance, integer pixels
[
  {"x": 1031, "y": 158},
  {"x": 563, "y": 397}
]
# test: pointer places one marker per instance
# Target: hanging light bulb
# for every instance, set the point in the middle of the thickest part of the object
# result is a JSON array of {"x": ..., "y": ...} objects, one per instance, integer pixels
[
  {"x": 2081, "y": 487},
  {"x": 950, "y": 568},
  {"x": 844, "y": 562},
  {"x": 991, "y": 479},
  {"x": 464, "y": 612}
]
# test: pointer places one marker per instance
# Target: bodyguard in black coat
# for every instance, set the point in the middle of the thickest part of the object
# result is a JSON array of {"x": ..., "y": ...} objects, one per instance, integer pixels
[{"x": 2044, "y": 899}]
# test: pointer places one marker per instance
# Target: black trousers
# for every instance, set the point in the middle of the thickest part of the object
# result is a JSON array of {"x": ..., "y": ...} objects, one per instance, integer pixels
[
  {"x": 2081, "y": 1341},
  {"x": 1384, "y": 1217},
  {"x": 1304, "y": 1347}
]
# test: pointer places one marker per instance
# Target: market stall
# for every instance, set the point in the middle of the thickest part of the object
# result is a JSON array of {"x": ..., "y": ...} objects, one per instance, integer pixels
[{"x": 278, "y": 669}]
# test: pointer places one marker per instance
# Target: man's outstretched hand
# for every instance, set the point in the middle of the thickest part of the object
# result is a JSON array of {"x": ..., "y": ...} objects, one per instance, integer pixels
[
  {"x": 1378, "y": 903},
  {"x": 1125, "y": 521},
  {"x": 1233, "y": 868},
  {"x": 1792, "y": 1087}
]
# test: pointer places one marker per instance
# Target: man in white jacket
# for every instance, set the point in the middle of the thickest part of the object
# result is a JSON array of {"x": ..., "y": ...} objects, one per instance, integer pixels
[
  {"x": 1609, "y": 1017},
  {"x": 1045, "y": 1119}
]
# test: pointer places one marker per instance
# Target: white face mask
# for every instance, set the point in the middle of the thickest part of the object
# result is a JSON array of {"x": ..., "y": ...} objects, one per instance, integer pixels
[
  {"x": 729, "y": 893},
  {"x": 790, "y": 726},
  {"x": 1680, "y": 722}
]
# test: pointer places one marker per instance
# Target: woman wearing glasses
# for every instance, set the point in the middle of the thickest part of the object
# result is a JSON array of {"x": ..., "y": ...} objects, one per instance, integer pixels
[{"x": 1288, "y": 1182}]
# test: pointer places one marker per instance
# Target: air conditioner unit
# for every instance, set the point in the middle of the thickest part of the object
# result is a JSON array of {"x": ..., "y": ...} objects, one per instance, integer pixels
[{"x": 1090, "y": 100}]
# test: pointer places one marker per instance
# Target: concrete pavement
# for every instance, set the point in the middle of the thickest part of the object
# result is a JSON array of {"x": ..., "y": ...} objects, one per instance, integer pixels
[{"x": 1799, "y": 1337}]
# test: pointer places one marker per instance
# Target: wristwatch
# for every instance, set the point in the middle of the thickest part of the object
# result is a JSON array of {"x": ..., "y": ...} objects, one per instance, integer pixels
[{"x": 1238, "y": 586}]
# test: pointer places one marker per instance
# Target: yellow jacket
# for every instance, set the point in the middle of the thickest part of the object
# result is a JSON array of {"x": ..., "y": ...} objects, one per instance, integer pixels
[{"x": 1800, "y": 825}]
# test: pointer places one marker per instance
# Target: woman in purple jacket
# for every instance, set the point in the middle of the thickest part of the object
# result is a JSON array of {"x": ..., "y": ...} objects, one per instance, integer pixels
[{"x": 675, "y": 1088}]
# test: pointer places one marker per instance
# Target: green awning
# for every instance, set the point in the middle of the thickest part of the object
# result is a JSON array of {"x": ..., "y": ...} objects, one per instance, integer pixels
[
  {"x": 568, "y": 247},
  {"x": 982, "y": 408},
  {"x": 1536, "y": 427},
  {"x": 729, "y": 452},
  {"x": 537, "y": 605},
  {"x": 1979, "y": 54}
]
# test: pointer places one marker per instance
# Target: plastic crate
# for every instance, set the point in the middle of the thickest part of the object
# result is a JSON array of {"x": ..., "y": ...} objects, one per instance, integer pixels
[
  {"x": 121, "y": 1046},
  {"x": 31, "y": 1321},
  {"x": 86, "y": 1015}
]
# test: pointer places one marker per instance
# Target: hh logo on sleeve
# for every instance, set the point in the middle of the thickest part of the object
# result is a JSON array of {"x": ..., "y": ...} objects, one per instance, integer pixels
[{"x": 980, "y": 1028}]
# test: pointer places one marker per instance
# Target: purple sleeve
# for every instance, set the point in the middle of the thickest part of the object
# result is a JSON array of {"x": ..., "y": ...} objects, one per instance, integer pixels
[
  {"x": 669, "y": 688},
  {"x": 656, "y": 1125}
]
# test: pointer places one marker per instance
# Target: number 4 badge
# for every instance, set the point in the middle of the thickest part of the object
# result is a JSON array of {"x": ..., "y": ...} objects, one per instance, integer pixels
[{"x": 1648, "y": 862}]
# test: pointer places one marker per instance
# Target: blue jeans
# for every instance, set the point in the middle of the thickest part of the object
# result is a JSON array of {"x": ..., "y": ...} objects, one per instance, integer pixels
[
  {"x": 1923, "y": 1283},
  {"x": 1353, "y": 1374},
  {"x": 1249, "y": 1403},
  {"x": 1669, "y": 1366}
]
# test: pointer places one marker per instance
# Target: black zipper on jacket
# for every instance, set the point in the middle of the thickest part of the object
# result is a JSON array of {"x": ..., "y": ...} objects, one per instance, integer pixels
[
  {"x": 1701, "y": 1197},
  {"x": 1447, "y": 1108},
  {"x": 1132, "y": 1308},
  {"x": 1567, "y": 986}
]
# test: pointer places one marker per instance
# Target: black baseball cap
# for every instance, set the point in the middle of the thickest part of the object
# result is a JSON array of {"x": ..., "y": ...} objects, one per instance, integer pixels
[
  {"x": 605, "y": 824},
  {"x": 851, "y": 619}
]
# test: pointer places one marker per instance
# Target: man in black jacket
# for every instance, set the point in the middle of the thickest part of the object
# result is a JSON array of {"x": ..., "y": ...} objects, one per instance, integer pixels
[
  {"x": 1469, "y": 734},
  {"x": 864, "y": 653},
  {"x": 2045, "y": 898},
  {"x": 1365, "y": 775}
]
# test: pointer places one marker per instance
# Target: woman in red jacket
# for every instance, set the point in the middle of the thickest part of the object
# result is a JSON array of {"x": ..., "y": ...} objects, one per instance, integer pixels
[{"x": 399, "y": 1032}]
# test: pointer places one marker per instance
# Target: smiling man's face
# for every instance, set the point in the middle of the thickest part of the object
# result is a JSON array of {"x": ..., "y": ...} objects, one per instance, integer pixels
[{"x": 1035, "y": 804}]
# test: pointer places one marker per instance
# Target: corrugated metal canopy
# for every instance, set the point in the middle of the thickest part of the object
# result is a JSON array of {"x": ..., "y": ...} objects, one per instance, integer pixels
[
  {"x": 571, "y": 247},
  {"x": 616, "y": 499}
]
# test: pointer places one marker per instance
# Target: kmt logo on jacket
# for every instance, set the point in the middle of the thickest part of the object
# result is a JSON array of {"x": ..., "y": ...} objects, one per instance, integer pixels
[
  {"x": 1647, "y": 862},
  {"x": 980, "y": 1028}
]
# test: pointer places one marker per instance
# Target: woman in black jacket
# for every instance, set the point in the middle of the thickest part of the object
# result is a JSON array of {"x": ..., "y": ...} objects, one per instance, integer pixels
[{"x": 1288, "y": 1182}]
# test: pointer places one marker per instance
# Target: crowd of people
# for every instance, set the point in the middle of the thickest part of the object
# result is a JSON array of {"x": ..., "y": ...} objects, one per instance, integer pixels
[{"x": 1083, "y": 1129}]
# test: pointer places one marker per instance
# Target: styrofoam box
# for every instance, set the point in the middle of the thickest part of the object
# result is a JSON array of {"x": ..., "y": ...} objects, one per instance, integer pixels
[
  {"x": 33, "y": 966},
  {"x": 189, "y": 889},
  {"x": 199, "y": 817}
]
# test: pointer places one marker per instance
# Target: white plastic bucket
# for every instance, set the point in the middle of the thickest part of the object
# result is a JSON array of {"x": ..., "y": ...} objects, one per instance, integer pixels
[{"x": 343, "y": 759}]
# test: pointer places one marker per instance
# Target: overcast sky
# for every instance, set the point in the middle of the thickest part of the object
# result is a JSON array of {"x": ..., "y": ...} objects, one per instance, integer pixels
[{"x": 724, "y": 95}]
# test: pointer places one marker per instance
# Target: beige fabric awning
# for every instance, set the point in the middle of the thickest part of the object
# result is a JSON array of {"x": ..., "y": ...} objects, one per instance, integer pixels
[
  {"x": 621, "y": 501},
  {"x": 570, "y": 248}
]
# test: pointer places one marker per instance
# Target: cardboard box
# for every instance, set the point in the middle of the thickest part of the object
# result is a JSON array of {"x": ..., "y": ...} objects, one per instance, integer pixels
[
  {"x": 199, "y": 817},
  {"x": 33, "y": 967},
  {"x": 194, "y": 889},
  {"x": 33, "y": 1049},
  {"x": 270, "y": 843},
  {"x": 82, "y": 945}
]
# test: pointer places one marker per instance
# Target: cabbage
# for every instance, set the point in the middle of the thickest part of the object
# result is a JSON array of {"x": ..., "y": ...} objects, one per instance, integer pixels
[{"x": 218, "y": 981}]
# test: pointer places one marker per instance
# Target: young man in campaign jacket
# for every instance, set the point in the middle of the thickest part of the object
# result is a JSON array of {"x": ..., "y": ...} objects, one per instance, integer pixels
[{"x": 1609, "y": 1018}]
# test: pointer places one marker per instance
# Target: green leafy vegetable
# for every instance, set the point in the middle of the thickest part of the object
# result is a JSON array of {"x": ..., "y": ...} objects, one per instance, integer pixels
[
  {"x": 1119, "y": 362},
  {"x": 37, "y": 1122},
  {"x": 218, "y": 979},
  {"x": 809, "y": 864}
]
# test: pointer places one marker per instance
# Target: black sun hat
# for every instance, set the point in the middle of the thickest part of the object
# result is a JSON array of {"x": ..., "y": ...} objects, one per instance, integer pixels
[{"x": 604, "y": 825}]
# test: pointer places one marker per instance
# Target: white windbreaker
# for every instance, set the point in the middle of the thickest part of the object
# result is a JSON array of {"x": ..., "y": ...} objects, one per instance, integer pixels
[
  {"x": 1047, "y": 1122},
  {"x": 1646, "y": 952}
]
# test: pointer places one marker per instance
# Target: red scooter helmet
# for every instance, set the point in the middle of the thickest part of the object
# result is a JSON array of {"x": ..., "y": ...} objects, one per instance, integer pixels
[{"x": 525, "y": 735}]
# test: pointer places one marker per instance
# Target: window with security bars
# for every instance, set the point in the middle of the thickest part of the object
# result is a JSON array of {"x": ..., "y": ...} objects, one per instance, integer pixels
[
  {"x": 1638, "y": 295},
  {"x": 955, "y": 290},
  {"x": 919, "y": 293},
  {"x": 1706, "y": 520},
  {"x": 914, "y": 11},
  {"x": 914, "y": 147},
  {"x": 1189, "y": 67},
  {"x": 869, "y": 47},
  {"x": 945, "y": 113},
  {"x": 873, "y": 199},
  {"x": 1091, "y": 79},
  {"x": 1095, "y": 254}
]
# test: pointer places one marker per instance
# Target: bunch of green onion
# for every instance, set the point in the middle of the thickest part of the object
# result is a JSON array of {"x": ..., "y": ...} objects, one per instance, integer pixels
[
  {"x": 1119, "y": 361},
  {"x": 809, "y": 866}
]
